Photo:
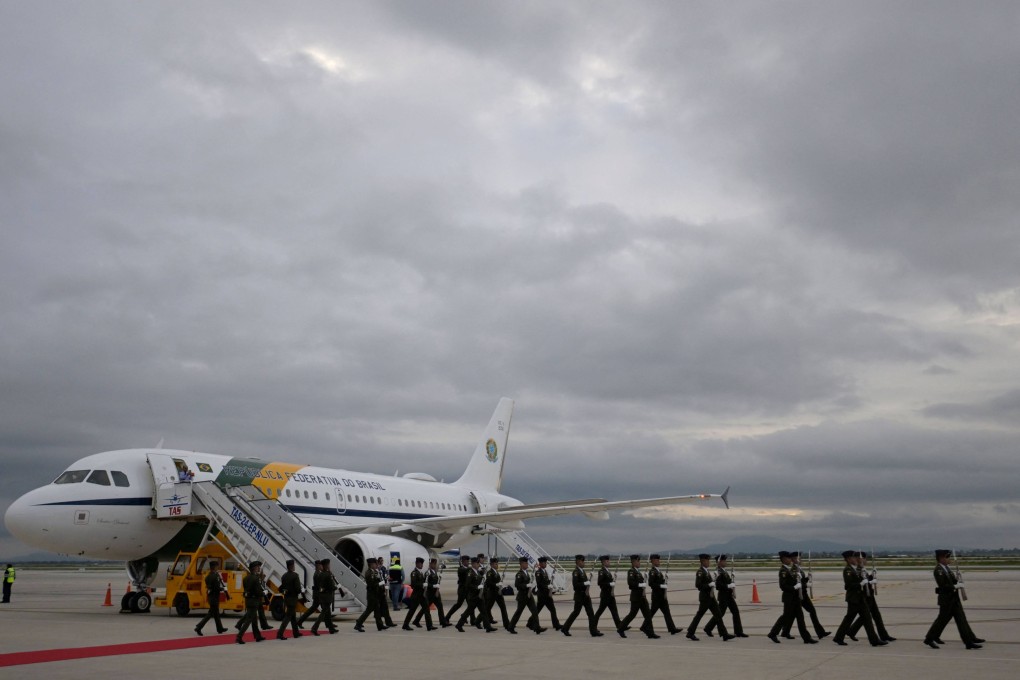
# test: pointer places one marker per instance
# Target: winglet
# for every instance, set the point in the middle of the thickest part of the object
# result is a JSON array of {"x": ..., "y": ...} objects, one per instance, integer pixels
[{"x": 725, "y": 499}]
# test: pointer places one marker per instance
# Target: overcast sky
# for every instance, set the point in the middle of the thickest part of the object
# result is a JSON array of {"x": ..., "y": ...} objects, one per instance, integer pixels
[{"x": 770, "y": 245}]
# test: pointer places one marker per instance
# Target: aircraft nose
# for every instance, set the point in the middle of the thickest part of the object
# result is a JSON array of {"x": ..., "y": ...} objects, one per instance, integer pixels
[{"x": 21, "y": 521}]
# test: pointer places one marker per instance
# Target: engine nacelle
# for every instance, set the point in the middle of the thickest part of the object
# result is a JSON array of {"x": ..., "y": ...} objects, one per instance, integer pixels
[{"x": 357, "y": 548}]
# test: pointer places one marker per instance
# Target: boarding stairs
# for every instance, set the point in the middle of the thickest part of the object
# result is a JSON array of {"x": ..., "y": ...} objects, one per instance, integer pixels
[
  {"x": 258, "y": 528},
  {"x": 521, "y": 544}
]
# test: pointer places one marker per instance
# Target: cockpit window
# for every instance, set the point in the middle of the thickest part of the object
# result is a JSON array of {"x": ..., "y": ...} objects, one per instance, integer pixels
[
  {"x": 99, "y": 477},
  {"x": 72, "y": 477},
  {"x": 119, "y": 478}
]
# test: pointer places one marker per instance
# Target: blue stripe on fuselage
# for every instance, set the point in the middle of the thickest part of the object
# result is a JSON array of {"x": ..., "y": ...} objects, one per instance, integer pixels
[{"x": 105, "y": 501}]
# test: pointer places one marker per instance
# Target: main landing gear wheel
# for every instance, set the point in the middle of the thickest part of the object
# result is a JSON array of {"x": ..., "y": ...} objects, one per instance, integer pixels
[
  {"x": 181, "y": 604},
  {"x": 140, "y": 603},
  {"x": 125, "y": 602}
]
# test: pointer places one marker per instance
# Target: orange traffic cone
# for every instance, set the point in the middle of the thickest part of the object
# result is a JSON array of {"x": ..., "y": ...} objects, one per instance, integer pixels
[
  {"x": 128, "y": 589},
  {"x": 754, "y": 592},
  {"x": 108, "y": 602}
]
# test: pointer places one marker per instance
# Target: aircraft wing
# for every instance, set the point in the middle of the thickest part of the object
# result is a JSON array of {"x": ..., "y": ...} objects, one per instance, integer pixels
[{"x": 511, "y": 518}]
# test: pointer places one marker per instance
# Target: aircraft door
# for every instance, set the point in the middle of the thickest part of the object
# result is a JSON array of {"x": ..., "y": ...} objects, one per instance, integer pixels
[
  {"x": 164, "y": 471},
  {"x": 341, "y": 501},
  {"x": 171, "y": 499}
]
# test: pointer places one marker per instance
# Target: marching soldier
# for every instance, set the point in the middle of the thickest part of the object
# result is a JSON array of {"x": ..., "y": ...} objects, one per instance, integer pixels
[
  {"x": 387, "y": 594},
  {"x": 419, "y": 598},
  {"x": 474, "y": 599},
  {"x": 582, "y": 600},
  {"x": 705, "y": 584},
  {"x": 658, "y": 584},
  {"x": 523, "y": 586},
  {"x": 793, "y": 589},
  {"x": 432, "y": 580},
  {"x": 214, "y": 585},
  {"x": 462, "y": 575},
  {"x": 855, "y": 606},
  {"x": 252, "y": 602},
  {"x": 492, "y": 592},
  {"x": 870, "y": 591},
  {"x": 290, "y": 588},
  {"x": 325, "y": 584},
  {"x": 724, "y": 588},
  {"x": 315, "y": 596},
  {"x": 807, "y": 605},
  {"x": 544, "y": 596},
  {"x": 607, "y": 595},
  {"x": 948, "y": 587},
  {"x": 375, "y": 599},
  {"x": 638, "y": 599}
]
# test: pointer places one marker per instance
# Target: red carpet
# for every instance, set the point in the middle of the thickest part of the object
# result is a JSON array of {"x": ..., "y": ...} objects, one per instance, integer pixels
[{"x": 67, "y": 654}]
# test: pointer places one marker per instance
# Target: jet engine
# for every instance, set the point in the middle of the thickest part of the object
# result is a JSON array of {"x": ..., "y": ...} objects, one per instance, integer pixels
[{"x": 357, "y": 548}]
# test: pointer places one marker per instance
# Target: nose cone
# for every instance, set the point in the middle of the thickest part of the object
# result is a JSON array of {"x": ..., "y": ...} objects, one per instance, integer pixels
[
  {"x": 27, "y": 520},
  {"x": 17, "y": 519}
]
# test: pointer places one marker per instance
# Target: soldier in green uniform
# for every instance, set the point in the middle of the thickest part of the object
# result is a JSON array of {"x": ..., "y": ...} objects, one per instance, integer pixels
[
  {"x": 432, "y": 581},
  {"x": 806, "y": 604},
  {"x": 474, "y": 599},
  {"x": 582, "y": 599},
  {"x": 724, "y": 588},
  {"x": 419, "y": 596},
  {"x": 252, "y": 603},
  {"x": 325, "y": 585},
  {"x": 543, "y": 582},
  {"x": 705, "y": 584},
  {"x": 638, "y": 599},
  {"x": 462, "y": 574},
  {"x": 290, "y": 588},
  {"x": 869, "y": 584},
  {"x": 214, "y": 585},
  {"x": 523, "y": 586},
  {"x": 607, "y": 595},
  {"x": 793, "y": 592},
  {"x": 658, "y": 583},
  {"x": 375, "y": 598},
  {"x": 948, "y": 587},
  {"x": 492, "y": 593},
  {"x": 315, "y": 596},
  {"x": 855, "y": 605}
]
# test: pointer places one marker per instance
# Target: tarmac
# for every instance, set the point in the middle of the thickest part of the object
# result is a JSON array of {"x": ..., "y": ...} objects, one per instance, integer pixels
[{"x": 57, "y": 615}]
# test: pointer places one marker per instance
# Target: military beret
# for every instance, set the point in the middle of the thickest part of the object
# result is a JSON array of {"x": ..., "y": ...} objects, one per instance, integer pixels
[
  {"x": 475, "y": 560},
  {"x": 372, "y": 560},
  {"x": 941, "y": 552},
  {"x": 848, "y": 553},
  {"x": 783, "y": 553},
  {"x": 655, "y": 556},
  {"x": 704, "y": 556},
  {"x": 494, "y": 559},
  {"x": 325, "y": 561},
  {"x": 578, "y": 557},
  {"x": 635, "y": 557},
  {"x": 254, "y": 564},
  {"x": 419, "y": 560},
  {"x": 720, "y": 558},
  {"x": 543, "y": 559},
  {"x": 795, "y": 553},
  {"x": 481, "y": 556},
  {"x": 522, "y": 560},
  {"x": 603, "y": 557},
  {"x": 465, "y": 557},
  {"x": 290, "y": 563}
]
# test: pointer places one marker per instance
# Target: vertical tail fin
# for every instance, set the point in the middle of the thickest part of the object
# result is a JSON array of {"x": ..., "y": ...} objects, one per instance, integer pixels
[{"x": 485, "y": 469}]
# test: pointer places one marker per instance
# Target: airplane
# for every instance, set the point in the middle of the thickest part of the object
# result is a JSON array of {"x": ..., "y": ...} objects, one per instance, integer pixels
[{"x": 103, "y": 506}]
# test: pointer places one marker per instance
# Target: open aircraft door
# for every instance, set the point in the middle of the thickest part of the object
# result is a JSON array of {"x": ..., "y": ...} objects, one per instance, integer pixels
[{"x": 172, "y": 498}]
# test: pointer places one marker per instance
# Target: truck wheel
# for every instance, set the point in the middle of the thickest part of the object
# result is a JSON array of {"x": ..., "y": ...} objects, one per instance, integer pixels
[{"x": 181, "y": 604}]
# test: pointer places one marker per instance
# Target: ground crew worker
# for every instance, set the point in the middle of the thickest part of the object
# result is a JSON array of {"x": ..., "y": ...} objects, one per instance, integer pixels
[
  {"x": 543, "y": 582},
  {"x": 855, "y": 606},
  {"x": 523, "y": 586},
  {"x": 462, "y": 573},
  {"x": 326, "y": 586},
  {"x": 419, "y": 598},
  {"x": 252, "y": 603},
  {"x": 606, "y": 582},
  {"x": 290, "y": 588},
  {"x": 705, "y": 584},
  {"x": 315, "y": 596},
  {"x": 638, "y": 600},
  {"x": 396, "y": 580},
  {"x": 658, "y": 583},
  {"x": 492, "y": 593},
  {"x": 214, "y": 585},
  {"x": 474, "y": 599},
  {"x": 432, "y": 581},
  {"x": 375, "y": 599},
  {"x": 870, "y": 600},
  {"x": 724, "y": 588},
  {"x": 807, "y": 605},
  {"x": 9, "y": 576},
  {"x": 947, "y": 586},
  {"x": 792, "y": 589},
  {"x": 582, "y": 599}
]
